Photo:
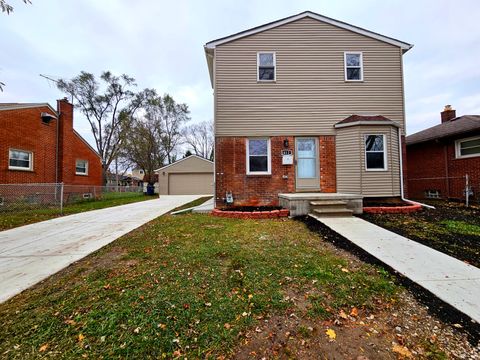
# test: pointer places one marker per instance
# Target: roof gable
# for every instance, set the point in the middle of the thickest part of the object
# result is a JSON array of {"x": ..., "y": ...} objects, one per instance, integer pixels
[
  {"x": 191, "y": 157},
  {"x": 403, "y": 45}
]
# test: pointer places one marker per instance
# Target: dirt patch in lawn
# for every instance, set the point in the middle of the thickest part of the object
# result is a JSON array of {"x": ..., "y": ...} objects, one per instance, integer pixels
[
  {"x": 450, "y": 228},
  {"x": 402, "y": 330}
]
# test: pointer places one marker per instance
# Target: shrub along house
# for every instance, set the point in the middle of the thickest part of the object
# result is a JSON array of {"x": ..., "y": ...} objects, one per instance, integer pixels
[
  {"x": 440, "y": 157},
  {"x": 40, "y": 145},
  {"x": 307, "y": 108}
]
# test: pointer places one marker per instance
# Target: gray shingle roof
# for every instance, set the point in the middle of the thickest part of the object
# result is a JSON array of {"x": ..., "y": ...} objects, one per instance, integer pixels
[{"x": 459, "y": 125}]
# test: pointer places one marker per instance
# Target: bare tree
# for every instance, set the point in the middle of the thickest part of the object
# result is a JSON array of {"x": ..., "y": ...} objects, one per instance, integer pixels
[
  {"x": 170, "y": 117},
  {"x": 6, "y": 7},
  {"x": 154, "y": 136},
  {"x": 108, "y": 112},
  {"x": 199, "y": 137}
]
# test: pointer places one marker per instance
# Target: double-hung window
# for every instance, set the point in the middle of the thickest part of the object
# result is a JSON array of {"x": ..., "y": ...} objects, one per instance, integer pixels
[
  {"x": 353, "y": 66},
  {"x": 468, "y": 147},
  {"x": 258, "y": 156},
  {"x": 81, "y": 167},
  {"x": 266, "y": 66},
  {"x": 375, "y": 153},
  {"x": 20, "y": 160}
]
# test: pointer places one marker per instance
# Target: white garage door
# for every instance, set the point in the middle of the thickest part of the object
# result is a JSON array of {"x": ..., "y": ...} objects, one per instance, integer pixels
[{"x": 190, "y": 183}]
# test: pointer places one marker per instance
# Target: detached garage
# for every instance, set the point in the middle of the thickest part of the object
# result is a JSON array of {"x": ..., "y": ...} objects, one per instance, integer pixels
[{"x": 192, "y": 175}]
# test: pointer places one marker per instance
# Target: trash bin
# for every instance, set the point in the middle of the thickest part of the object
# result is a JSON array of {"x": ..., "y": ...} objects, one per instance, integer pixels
[{"x": 150, "y": 189}]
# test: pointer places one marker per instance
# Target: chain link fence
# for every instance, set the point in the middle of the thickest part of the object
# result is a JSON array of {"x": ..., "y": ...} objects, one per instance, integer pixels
[
  {"x": 462, "y": 188},
  {"x": 21, "y": 197}
]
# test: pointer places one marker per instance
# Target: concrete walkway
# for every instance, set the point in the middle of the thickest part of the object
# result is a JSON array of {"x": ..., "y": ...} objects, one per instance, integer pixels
[
  {"x": 31, "y": 253},
  {"x": 451, "y": 280}
]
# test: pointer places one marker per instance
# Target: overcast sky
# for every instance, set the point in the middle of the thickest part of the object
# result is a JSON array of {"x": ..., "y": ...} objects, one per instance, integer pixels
[{"x": 160, "y": 44}]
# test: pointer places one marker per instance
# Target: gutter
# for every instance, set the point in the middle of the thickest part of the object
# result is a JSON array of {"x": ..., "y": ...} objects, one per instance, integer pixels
[{"x": 402, "y": 193}]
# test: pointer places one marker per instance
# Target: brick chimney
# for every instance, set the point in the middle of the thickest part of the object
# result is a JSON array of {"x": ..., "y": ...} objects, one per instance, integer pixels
[
  {"x": 448, "y": 114},
  {"x": 65, "y": 137}
]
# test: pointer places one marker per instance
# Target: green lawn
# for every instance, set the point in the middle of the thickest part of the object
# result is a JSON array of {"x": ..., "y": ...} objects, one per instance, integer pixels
[
  {"x": 188, "y": 284},
  {"x": 11, "y": 219}
]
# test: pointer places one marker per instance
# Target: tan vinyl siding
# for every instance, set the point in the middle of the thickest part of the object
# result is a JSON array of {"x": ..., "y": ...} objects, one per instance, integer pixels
[
  {"x": 352, "y": 177},
  {"x": 349, "y": 166},
  {"x": 192, "y": 175},
  {"x": 310, "y": 93}
]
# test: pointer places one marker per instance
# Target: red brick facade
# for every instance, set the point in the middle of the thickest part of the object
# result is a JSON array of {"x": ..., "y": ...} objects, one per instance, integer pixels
[
  {"x": 433, "y": 166},
  {"x": 262, "y": 190},
  {"x": 23, "y": 129}
]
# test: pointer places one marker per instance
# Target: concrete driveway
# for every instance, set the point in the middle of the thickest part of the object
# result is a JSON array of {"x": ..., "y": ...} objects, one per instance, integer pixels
[{"x": 31, "y": 253}]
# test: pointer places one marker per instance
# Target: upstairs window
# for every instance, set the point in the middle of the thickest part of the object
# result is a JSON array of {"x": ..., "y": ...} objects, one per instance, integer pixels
[
  {"x": 353, "y": 66},
  {"x": 468, "y": 147},
  {"x": 375, "y": 154},
  {"x": 81, "y": 167},
  {"x": 20, "y": 160},
  {"x": 258, "y": 156},
  {"x": 266, "y": 66}
]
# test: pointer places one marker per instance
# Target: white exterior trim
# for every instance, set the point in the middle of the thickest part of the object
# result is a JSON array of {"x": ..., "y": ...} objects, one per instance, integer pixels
[
  {"x": 269, "y": 157},
  {"x": 30, "y": 160},
  {"x": 403, "y": 45},
  {"x": 274, "y": 66},
  {"x": 176, "y": 162},
  {"x": 385, "y": 165},
  {"x": 28, "y": 106},
  {"x": 345, "y": 65},
  {"x": 458, "y": 155}
]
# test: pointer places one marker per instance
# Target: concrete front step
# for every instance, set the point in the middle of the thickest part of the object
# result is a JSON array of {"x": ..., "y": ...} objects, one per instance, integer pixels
[
  {"x": 328, "y": 203},
  {"x": 332, "y": 212}
]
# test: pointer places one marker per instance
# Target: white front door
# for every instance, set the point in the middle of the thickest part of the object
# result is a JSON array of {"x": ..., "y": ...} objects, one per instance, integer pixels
[{"x": 307, "y": 165}]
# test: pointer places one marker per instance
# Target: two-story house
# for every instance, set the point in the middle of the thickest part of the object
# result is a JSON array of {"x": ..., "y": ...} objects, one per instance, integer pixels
[
  {"x": 39, "y": 145},
  {"x": 306, "y": 104}
]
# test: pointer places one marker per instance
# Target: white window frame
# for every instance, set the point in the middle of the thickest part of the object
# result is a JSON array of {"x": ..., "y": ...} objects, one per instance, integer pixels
[
  {"x": 345, "y": 65},
  {"x": 86, "y": 168},
  {"x": 385, "y": 147},
  {"x": 458, "y": 154},
  {"x": 30, "y": 160},
  {"x": 274, "y": 66},
  {"x": 269, "y": 158}
]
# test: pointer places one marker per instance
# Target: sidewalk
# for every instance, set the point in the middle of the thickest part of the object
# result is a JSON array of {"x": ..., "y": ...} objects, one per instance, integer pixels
[
  {"x": 451, "y": 280},
  {"x": 31, "y": 253}
]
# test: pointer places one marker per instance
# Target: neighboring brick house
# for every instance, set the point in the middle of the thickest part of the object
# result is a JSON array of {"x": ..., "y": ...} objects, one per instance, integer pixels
[
  {"x": 40, "y": 145},
  {"x": 284, "y": 95},
  {"x": 439, "y": 158}
]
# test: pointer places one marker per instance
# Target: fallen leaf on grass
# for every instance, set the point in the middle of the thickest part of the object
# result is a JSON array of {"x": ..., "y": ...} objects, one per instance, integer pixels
[
  {"x": 43, "y": 348},
  {"x": 70, "y": 322},
  {"x": 227, "y": 326},
  {"x": 342, "y": 314},
  {"x": 136, "y": 330},
  {"x": 402, "y": 351},
  {"x": 331, "y": 334},
  {"x": 354, "y": 312},
  {"x": 345, "y": 270},
  {"x": 81, "y": 337}
]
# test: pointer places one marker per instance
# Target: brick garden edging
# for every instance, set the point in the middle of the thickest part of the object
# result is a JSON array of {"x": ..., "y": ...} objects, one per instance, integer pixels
[
  {"x": 392, "y": 209},
  {"x": 251, "y": 214}
]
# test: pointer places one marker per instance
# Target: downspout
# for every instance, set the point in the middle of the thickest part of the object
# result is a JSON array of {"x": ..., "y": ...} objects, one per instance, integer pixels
[{"x": 402, "y": 193}]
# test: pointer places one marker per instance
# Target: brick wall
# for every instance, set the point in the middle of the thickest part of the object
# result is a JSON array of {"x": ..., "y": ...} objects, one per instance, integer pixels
[
  {"x": 263, "y": 190},
  {"x": 23, "y": 129},
  {"x": 73, "y": 148},
  {"x": 432, "y": 160}
]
